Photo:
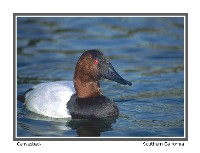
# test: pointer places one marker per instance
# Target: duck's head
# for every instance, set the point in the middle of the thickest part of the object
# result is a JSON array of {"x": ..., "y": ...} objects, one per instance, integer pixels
[{"x": 90, "y": 68}]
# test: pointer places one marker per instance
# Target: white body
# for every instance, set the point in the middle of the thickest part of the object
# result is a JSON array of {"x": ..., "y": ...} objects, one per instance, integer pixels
[{"x": 50, "y": 99}]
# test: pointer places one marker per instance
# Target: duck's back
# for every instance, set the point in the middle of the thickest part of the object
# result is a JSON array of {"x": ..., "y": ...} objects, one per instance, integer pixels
[
  {"x": 93, "y": 107},
  {"x": 50, "y": 98}
]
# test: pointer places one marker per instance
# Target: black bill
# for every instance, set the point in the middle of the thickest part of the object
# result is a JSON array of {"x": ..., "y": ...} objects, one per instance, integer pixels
[{"x": 108, "y": 72}]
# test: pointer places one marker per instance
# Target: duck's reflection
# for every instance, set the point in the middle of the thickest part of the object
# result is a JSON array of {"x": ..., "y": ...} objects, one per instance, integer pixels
[
  {"x": 91, "y": 127},
  {"x": 30, "y": 123}
]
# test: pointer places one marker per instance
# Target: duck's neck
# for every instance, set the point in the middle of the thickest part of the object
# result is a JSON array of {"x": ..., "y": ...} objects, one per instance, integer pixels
[{"x": 85, "y": 89}]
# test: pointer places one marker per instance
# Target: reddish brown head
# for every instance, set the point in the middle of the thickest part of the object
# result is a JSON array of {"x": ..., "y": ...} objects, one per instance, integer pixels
[{"x": 90, "y": 68}]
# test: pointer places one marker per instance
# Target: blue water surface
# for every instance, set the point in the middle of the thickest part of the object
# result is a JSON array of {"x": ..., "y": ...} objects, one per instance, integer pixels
[{"x": 148, "y": 51}]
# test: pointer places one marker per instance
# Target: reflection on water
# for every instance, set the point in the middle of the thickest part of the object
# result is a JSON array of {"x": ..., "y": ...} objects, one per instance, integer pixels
[
  {"x": 90, "y": 128},
  {"x": 148, "y": 51},
  {"x": 33, "y": 122}
]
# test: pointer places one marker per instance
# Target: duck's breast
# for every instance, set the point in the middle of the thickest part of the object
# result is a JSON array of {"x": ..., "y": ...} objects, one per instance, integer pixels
[
  {"x": 50, "y": 99},
  {"x": 93, "y": 107}
]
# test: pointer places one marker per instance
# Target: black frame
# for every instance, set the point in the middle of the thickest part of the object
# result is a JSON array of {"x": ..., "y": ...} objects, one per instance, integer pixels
[{"x": 15, "y": 15}]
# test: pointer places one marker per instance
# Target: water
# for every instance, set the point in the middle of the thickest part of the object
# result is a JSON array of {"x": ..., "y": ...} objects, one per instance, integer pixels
[{"x": 148, "y": 51}]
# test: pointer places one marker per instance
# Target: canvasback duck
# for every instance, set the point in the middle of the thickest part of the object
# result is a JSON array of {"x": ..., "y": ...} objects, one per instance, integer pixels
[{"x": 81, "y": 98}]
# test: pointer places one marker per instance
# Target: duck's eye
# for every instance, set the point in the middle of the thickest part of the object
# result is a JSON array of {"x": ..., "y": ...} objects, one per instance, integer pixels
[{"x": 96, "y": 61}]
